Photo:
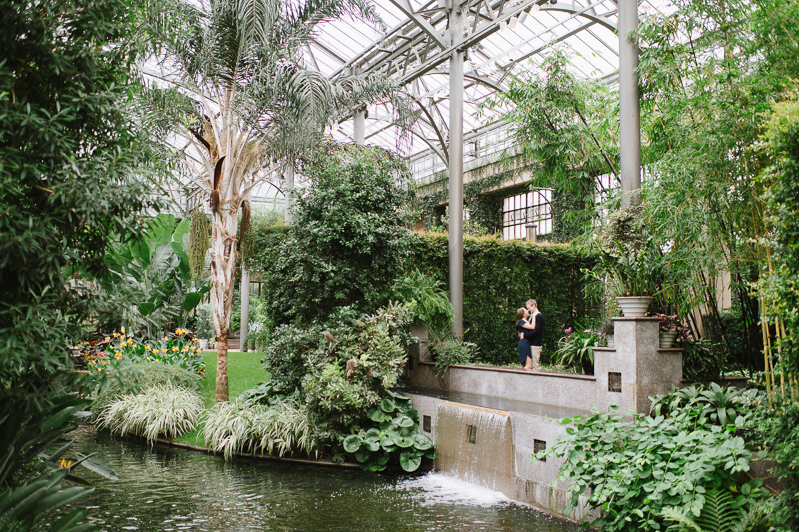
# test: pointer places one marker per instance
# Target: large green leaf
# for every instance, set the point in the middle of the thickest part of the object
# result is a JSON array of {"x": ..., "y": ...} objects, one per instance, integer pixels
[
  {"x": 362, "y": 454},
  {"x": 377, "y": 415},
  {"x": 410, "y": 460},
  {"x": 373, "y": 444},
  {"x": 145, "y": 309},
  {"x": 403, "y": 441},
  {"x": 352, "y": 443},
  {"x": 387, "y": 406},
  {"x": 422, "y": 442},
  {"x": 405, "y": 421}
]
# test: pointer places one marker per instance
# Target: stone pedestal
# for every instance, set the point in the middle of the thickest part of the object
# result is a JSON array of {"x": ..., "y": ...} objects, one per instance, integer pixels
[{"x": 637, "y": 368}]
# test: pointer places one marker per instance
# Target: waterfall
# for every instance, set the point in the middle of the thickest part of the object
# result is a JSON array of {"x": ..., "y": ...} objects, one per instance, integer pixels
[{"x": 475, "y": 445}]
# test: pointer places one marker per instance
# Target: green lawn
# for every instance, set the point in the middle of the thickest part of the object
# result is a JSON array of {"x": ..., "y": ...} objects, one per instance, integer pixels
[{"x": 244, "y": 371}]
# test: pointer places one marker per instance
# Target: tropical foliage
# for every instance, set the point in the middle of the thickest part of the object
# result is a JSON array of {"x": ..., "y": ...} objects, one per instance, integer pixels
[
  {"x": 633, "y": 470},
  {"x": 393, "y": 435},
  {"x": 149, "y": 278},
  {"x": 242, "y": 97},
  {"x": 576, "y": 349}
]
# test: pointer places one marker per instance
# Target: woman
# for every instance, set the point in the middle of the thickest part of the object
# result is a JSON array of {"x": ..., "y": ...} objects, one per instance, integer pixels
[{"x": 524, "y": 343}]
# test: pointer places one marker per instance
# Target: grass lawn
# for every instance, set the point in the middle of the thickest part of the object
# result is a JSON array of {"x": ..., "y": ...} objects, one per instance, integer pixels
[{"x": 244, "y": 371}]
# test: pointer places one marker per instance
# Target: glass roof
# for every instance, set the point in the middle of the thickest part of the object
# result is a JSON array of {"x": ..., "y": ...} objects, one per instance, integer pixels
[{"x": 504, "y": 38}]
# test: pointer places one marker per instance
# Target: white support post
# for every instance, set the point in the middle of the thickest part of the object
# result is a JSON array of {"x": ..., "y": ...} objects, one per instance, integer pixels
[{"x": 629, "y": 105}]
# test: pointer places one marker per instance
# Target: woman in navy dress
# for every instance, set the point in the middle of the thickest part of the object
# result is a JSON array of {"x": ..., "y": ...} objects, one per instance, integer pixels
[{"x": 524, "y": 343}]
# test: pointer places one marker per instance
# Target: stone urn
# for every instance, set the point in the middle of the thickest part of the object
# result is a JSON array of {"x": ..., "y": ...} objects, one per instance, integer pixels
[
  {"x": 634, "y": 306},
  {"x": 203, "y": 343},
  {"x": 667, "y": 339}
]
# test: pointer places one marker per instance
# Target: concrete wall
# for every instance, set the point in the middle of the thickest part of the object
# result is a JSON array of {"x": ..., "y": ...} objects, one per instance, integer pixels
[{"x": 625, "y": 376}]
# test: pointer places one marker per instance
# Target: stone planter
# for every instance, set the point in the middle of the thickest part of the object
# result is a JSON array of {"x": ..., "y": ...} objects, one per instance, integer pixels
[
  {"x": 203, "y": 343},
  {"x": 667, "y": 339},
  {"x": 611, "y": 341},
  {"x": 634, "y": 306}
]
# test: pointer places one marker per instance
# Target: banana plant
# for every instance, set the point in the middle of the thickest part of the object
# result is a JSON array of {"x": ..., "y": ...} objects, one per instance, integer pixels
[{"x": 150, "y": 272}]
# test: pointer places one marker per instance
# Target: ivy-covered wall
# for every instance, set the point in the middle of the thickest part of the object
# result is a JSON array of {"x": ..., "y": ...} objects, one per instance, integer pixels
[{"x": 499, "y": 277}]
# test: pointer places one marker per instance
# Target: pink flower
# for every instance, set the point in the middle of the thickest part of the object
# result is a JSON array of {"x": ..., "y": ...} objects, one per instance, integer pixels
[
  {"x": 568, "y": 331},
  {"x": 587, "y": 331}
]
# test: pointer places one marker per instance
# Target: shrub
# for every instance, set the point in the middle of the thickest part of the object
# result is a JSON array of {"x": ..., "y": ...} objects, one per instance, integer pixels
[
  {"x": 162, "y": 409},
  {"x": 636, "y": 469},
  {"x": 448, "y": 350},
  {"x": 346, "y": 378},
  {"x": 285, "y": 357},
  {"x": 701, "y": 360},
  {"x": 392, "y": 433},
  {"x": 134, "y": 377},
  {"x": 284, "y": 427}
]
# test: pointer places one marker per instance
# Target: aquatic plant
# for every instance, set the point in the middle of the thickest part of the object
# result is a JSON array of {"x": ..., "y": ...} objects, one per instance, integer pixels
[{"x": 160, "y": 410}]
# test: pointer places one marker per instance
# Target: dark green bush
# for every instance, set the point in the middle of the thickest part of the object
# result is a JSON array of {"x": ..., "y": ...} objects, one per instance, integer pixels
[{"x": 701, "y": 359}]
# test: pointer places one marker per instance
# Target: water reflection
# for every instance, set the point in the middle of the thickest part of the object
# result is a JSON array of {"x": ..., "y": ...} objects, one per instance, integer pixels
[{"x": 169, "y": 489}]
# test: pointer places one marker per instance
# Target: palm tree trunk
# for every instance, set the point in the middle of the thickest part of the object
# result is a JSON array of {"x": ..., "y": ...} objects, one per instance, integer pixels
[{"x": 223, "y": 275}]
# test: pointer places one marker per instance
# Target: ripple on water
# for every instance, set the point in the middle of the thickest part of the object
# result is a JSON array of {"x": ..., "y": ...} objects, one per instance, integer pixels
[{"x": 172, "y": 490}]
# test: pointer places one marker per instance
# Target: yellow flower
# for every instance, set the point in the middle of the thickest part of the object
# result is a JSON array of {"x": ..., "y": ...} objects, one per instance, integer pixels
[
  {"x": 99, "y": 369},
  {"x": 174, "y": 349},
  {"x": 118, "y": 356},
  {"x": 148, "y": 358},
  {"x": 163, "y": 351},
  {"x": 123, "y": 330},
  {"x": 130, "y": 341},
  {"x": 147, "y": 347},
  {"x": 107, "y": 338},
  {"x": 116, "y": 334}
]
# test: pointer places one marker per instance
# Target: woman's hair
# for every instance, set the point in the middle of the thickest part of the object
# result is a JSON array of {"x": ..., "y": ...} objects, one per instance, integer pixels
[{"x": 519, "y": 315}]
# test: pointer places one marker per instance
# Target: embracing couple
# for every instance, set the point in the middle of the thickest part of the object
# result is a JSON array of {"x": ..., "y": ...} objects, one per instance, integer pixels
[{"x": 530, "y": 326}]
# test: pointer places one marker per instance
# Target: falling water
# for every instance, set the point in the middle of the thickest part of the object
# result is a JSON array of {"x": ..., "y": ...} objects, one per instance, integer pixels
[{"x": 475, "y": 445}]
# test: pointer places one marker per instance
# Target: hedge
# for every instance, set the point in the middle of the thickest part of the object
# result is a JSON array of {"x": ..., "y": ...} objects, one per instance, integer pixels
[{"x": 499, "y": 277}]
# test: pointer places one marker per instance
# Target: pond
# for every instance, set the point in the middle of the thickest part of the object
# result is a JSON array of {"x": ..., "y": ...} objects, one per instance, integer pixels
[{"x": 172, "y": 489}]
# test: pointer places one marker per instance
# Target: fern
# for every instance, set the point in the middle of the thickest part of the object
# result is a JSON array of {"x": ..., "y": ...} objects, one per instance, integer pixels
[{"x": 718, "y": 514}]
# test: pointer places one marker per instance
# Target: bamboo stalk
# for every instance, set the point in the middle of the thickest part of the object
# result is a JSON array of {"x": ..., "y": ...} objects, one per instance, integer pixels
[
  {"x": 764, "y": 328},
  {"x": 779, "y": 354}
]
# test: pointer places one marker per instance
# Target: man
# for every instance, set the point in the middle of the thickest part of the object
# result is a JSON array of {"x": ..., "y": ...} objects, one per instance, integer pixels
[{"x": 534, "y": 336}]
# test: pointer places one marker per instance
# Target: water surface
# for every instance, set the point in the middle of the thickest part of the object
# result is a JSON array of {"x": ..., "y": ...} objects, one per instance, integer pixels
[{"x": 172, "y": 489}]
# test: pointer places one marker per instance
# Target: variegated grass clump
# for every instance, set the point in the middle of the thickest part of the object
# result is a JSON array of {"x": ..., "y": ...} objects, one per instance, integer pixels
[
  {"x": 282, "y": 428},
  {"x": 162, "y": 409}
]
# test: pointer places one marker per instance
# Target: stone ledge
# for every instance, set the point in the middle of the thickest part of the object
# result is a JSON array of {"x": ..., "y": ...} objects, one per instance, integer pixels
[
  {"x": 655, "y": 318},
  {"x": 519, "y": 371}
]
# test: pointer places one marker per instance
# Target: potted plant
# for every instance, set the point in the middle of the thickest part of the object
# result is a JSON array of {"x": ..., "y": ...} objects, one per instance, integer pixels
[
  {"x": 606, "y": 331},
  {"x": 670, "y": 329},
  {"x": 630, "y": 261},
  {"x": 576, "y": 349}
]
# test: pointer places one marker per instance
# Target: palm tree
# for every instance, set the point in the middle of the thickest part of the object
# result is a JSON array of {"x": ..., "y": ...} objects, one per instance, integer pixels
[{"x": 236, "y": 92}]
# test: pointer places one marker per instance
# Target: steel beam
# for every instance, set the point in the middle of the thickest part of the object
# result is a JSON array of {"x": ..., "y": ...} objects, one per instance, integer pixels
[{"x": 456, "y": 171}]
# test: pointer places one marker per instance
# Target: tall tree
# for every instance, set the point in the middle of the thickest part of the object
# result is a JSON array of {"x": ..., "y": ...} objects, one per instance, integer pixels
[
  {"x": 74, "y": 167},
  {"x": 248, "y": 101}
]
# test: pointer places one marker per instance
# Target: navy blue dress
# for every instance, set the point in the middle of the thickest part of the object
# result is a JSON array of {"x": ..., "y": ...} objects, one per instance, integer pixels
[{"x": 524, "y": 343}]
